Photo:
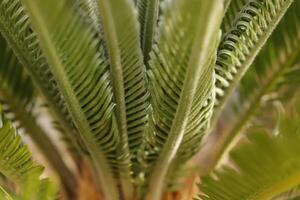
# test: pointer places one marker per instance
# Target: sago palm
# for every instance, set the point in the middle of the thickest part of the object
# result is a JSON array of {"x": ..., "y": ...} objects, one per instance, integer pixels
[{"x": 149, "y": 99}]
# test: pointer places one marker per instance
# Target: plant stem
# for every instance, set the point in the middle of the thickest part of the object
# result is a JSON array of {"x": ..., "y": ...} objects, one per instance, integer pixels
[
  {"x": 57, "y": 68},
  {"x": 204, "y": 35},
  {"x": 111, "y": 37}
]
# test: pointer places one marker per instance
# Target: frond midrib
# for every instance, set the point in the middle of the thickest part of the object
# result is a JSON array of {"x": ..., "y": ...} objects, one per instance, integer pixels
[
  {"x": 253, "y": 105},
  {"x": 101, "y": 164},
  {"x": 10, "y": 37},
  {"x": 195, "y": 67},
  {"x": 249, "y": 60},
  {"x": 277, "y": 188}
]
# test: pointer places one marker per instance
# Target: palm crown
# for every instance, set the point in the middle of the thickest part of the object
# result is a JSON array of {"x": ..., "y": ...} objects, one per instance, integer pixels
[{"x": 137, "y": 90}]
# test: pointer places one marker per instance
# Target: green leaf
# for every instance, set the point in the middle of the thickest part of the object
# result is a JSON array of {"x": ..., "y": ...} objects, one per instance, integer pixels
[
  {"x": 88, "y": 10},
  {"x": 127, "y": 69},
  {"x": 265, "y": 81},
  {"x": 198, "y": 124},
  {"x": 41, "y": 190},
  {"x": 265, "y": 167},
  {"x": 179, "y": 74},
  {"x": 128, "y": 72},
  {"x": 233, "y": 9},
  {"x": 16, "y": 29},
  {"x": 15, "y": 159},
  {"x": 293, "y": 194},
  {"x": 148, "y": 18},
  {"x": 16, "y": 95},
  {"x": 4, "y": 195},
  {"x": 82, "y": 76},
  {"x": 241, "y": 44},
  {"x": 33, "y": 189}
]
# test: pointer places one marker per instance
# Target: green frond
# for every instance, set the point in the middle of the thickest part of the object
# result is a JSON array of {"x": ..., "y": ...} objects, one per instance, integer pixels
[
  {"x": 38, "y": 190},
  {"x": 17, "y": 165},
  {"x": 278, "y": 60},
  {"x": 293, "y": 194},
  {"x": 14, "y": 82},
  {"x": 198, "y": 123},
  {"x": 32, "y": 189},
  {"x": 265, "y": 167},
  {"x": 148, "y": 18},
  {"x": 4, "y": 195},
  {"x": 180, "y": 77},
  {"x": 88, "y": 10},
  {"x": 82, "y": 76},
  {"x": 127, "y": 70},
  {"x": 15, "y": 159},
  {"x": 270, "y": 71},
  {"x": 241, "y": 44},
  {"x": 16, "y": 29},
  {"x": 233, "y": 10},
  {"x": 16, "y": 96}
]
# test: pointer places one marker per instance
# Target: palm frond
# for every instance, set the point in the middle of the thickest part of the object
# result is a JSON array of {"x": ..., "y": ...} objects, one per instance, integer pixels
[
  {"x": 180, "y": 72},
  {"x": 15, "y": 159},
  {"x": 32, "y": 190},
  {"x": 293, "y": 194},
  {"x": 270, "y": 71},
  {"x": 274, "y": 171},
  {"x": 82, "y": 75},
  {"x": 15, "y": 28},
  {"x": 233, "y": 10},
  {"x": 16, "y": 96},
  {"x": 148, "y": 18},
  {"x": 88, "y": 10},
  {"x": 4, "y": 195},
  {"x": 198, "y": 123},
  {"x": 127, "y": 70},
  {"x": 241, "y": 44},
  {"x": 38, "y": 190}
]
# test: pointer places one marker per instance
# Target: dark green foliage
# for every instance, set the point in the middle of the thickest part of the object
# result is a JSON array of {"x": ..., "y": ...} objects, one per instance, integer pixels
[
  {"x": 135, "y": 85},
  {"x": 263, "y": 168}
]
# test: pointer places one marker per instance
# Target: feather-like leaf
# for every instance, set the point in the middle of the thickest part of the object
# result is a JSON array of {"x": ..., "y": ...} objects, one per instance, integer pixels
[
  {"x": 88, "y": 9},
  {"x": 16, "y": 95},
  {"x": 180, "y": 73},
  {"x": 241, "y": 44},
  {"x": 293, "y": 194},
  {"x": 4, "y": 195},
  {"x": 15, "y": 159},
  {"x": 274, "y": 171},
  {"x": 233, "y": 9},
  {"x": 128, "y": 70},
  {"x": 15, "y": 28},
  {"x": 269, "y": 73},
  {"x": 82, "y": 76},
  {"x": 38, "y": 190}
]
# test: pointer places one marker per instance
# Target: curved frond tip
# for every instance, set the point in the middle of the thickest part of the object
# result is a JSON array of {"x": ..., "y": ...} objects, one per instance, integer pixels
[
  {"x": 241, "y": 44},
  {"x": 265, "y": 167}
]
